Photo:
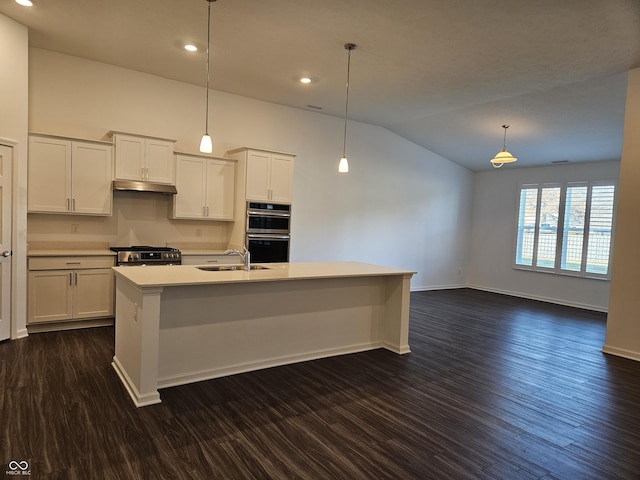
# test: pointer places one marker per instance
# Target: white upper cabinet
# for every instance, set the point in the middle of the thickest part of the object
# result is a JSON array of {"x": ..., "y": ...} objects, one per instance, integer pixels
[
  {"x": 206, "y": 188},
  {"x": 69, "y": 176},
  {"x": 267, "y": 176},
  {"x": 144, "y": 158}
]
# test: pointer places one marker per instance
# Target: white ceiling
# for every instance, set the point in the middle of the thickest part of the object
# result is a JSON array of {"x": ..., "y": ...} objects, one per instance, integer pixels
[{"x": 445, "y": 74}]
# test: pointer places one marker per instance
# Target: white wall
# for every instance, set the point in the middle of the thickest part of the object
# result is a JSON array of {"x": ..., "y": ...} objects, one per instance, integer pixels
[
  {"x": 13, "y": 131},
  {"x": 495, "y": 210},
  {"x": 400, "y": 206},
  {"x": 623, "y": 321}
]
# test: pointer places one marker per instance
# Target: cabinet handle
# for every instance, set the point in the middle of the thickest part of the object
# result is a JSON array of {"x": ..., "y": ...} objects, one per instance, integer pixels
[
  {"x": 147, "y": 173},
  {"x": 207, "y": 211},
  {"x": 75, "y": 278},
  {"x": 68, "y": 204},
  {"x": 74, "y": 263},
  {"x": 73, "y": 204},
  {"x": 70, "y": 278}
]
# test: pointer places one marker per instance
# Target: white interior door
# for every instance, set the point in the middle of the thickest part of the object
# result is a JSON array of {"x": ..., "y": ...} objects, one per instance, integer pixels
[{"x": 5, "y": 241}]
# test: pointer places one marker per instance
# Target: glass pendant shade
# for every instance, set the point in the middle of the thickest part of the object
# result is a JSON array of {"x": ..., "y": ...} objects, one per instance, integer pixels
[
  {"x": 501, "y": 158},
  {"x": 343, "y": 166},
  {"x": 206, "y": 146}
]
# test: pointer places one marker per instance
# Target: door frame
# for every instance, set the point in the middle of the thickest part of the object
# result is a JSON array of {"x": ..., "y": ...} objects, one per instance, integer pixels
[{"x": 18, "y": 328}]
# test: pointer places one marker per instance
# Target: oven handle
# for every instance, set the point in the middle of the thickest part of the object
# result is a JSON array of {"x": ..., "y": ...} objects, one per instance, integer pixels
[
  {"x": 268, "y": 213},
  {"x": 268, "y": 237}
]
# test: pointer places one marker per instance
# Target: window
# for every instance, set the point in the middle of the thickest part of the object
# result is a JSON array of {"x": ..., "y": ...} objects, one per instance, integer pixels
[{"x": 566, "y": 228}]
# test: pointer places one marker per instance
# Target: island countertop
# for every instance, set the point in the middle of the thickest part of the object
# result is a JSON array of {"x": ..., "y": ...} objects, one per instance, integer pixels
[{"x": 176, "y": 275}]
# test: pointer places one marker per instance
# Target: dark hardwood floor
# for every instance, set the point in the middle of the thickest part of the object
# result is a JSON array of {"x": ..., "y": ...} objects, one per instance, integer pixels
[{"x": 495, "y": 388}]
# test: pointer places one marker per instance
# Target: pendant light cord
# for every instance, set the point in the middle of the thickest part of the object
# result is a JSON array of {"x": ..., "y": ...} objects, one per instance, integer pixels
[
  {"x": 349, "y": 47},
  {"x": 206, "y": 120},
  {"x": 504, "y": 141}
]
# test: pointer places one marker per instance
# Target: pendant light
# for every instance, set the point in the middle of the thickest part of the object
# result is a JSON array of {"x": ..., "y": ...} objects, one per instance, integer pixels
[
  {"x": 503, "y": 156},
  {"x": 343, "y": 166},
  {"x": 206, "y": 145}
]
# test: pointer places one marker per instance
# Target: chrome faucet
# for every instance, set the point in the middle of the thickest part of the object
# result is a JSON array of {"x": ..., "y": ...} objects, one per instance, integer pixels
[{"x": 244, "y": 255}]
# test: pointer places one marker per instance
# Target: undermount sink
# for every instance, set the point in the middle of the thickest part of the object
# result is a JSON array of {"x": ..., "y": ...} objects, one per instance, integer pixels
[{"x": 226, "y": 268}]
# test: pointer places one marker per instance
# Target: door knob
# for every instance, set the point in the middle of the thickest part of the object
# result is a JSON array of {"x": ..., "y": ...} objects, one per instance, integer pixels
[{"x": 7, "y": 253}]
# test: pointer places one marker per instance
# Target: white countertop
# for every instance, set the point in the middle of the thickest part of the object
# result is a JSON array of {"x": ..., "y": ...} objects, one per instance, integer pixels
[{"x": 175, "y": 275}]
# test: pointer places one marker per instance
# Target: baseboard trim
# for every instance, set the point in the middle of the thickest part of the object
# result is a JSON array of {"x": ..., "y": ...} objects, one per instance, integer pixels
[
  {"x": 555, "y": 301},
  {"x": 426, "y": 288},
  {"x": 621, "y": 352},
  {"x": 138, "y": 399},
  {"x": 72, "y": 325}
]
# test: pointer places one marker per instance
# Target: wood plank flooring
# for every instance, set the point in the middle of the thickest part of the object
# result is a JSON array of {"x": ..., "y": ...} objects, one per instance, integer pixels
[{"x": 495, "y": 388}]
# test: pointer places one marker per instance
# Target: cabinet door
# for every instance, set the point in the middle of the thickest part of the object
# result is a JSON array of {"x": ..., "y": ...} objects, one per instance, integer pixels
[
  {"x": 91, "y": 172},
  {"x": 49, "y": 175},
  {"x": 221, "y": 179},
  {"x": 160, "y": 166},
  {"x": 93, "y": 293},
  {"x": 281, "y": 178},
  {"x": 258, "y": 173},
  {"x": 50, "y": 296},
  {"x": 129, "y": 157},
  {"x": 189, "y": 202}
]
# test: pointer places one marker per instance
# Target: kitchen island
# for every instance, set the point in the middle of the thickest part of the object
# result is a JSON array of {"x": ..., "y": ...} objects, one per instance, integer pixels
[{"x": 181, "y": 324}]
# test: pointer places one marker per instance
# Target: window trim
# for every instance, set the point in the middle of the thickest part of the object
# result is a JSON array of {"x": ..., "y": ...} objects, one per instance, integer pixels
[{"x": 556, "y": 269}]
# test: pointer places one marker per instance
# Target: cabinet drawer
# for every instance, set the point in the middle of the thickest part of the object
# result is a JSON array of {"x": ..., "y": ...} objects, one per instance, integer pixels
[{"x": 70, "y": 263}]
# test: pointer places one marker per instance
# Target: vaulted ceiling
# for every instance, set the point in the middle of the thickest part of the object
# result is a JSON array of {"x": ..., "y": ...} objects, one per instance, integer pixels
[{"x": 443, "y": 74}]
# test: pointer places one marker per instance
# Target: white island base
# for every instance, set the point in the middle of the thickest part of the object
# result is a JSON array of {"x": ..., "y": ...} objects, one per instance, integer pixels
[{"x": 178, "y": 324}]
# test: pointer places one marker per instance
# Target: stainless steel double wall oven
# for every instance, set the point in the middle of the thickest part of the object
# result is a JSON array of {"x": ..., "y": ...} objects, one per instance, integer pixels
[{"x": 268, "y": 232}]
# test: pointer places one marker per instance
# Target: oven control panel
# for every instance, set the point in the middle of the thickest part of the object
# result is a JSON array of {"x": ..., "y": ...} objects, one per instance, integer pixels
[{"x": 160, "y": 256}]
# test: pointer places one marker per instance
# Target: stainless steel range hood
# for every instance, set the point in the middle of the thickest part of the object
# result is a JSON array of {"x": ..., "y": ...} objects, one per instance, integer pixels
[{"x": 149, "y": 187}]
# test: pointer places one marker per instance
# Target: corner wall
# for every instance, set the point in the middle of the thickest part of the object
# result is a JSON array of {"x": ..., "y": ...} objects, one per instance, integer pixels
[
  {"x": 14, "y": 103},
  {"x": 400, "y": 206},
  {"x": 495, "y": 212},
  {"x": 623, "y": 321}
]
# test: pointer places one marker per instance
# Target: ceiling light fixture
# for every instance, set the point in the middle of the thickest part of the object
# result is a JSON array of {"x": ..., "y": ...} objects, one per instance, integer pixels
[
  {"x": 503, "y": 156},
  {"x": 190, "y": 47},
  {"x": 206, "y": 146},
  {"x": 25, "y": 3},
  {"x": 305, "y": 80},
  {"x": 343, "y": 166}
]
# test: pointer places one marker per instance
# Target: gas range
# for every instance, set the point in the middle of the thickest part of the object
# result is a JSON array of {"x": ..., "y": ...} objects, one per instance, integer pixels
[{"x": 144, "y": 255}]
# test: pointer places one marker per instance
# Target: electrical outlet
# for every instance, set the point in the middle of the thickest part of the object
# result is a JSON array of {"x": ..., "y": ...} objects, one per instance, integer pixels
[{"x": 74, "y": 227}]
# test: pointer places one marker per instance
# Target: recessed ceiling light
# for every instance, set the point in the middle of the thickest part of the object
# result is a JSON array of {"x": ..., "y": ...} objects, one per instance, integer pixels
[
  {"x": 25, "y": 3},
  {"x": 190, "y": 47},
  {"x": 305, "y": 80}
]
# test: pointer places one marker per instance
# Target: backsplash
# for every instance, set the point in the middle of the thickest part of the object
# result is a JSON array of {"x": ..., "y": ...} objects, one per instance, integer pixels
[{"x": 138, "y": 219}]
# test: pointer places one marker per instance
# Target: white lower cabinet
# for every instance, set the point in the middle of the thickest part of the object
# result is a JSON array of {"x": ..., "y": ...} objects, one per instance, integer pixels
[
  {"x": 62, "y": 289},
  {"x": 206, "y": 188}
]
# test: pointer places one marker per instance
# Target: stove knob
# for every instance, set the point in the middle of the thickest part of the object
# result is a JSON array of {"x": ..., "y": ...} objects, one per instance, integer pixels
[
  {"x": 136, "y": 256},
  {"x": 130, "y": 258}
]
